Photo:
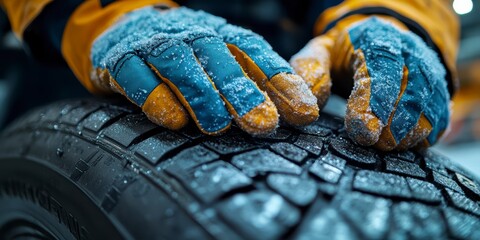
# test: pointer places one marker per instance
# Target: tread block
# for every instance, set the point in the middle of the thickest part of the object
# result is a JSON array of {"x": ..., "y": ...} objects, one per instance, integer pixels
[
  {"x": 424, "y": 191},
  {"x": 127, "y": 129},
  {"x": 370, "y": 215},
  {"x": 98, "y": 119},
  {"x": 403, "y": 155},
  {"x": 329, "y": 121},
  {"x": 406, "y": 168},
  {"x": 385, "y": 184},
  {"x": 334, "y": 160},
  {"x": 77, "y": 114},
  {"x": 189, "y": 158},
  {"x": 227, "y": 144},
  {"x": 324, "y": 222},
  {"x": 259, "y": 214},
  {"x": 300, "y": 191},
  {"x": 437, "y": 167},
  {"x": 315, "y": 129},
  {"x": 279, "y": 135},
  {"x": 469, "y": 184},
  {"x": 417, "y": 221},
  {"x": 326, "y": 172},
  {"x": 462, "y": 202},
  {"x": 55, "y": 111},
  {"x": 454, "y": 168},
  {"x": 328, "y": 188},
  {"x": 210, "y": 181},
  {"x": 355, "y": 154},
  {"x": 446, "y": 182},
  {"x": 436, "y": 162},
  {"x": 154, "y": 148},
  {"x": 312, "y": 144},
  {"x": 261, "y": 161},
  {"x": 289, "y": 151},
  {"x": 462, "y": 225},
  {"x": 161, "y": 217}
]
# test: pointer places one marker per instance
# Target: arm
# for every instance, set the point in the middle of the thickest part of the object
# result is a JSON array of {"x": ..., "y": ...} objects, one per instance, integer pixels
[{"x": 174, "y": 63}]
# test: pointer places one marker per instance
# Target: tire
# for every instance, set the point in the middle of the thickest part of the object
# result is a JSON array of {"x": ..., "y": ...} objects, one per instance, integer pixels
[{"x": 97, "y": 169}]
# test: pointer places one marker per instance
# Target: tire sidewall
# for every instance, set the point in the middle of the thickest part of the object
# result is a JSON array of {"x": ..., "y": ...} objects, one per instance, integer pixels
[{"x": 36, "y": 192}]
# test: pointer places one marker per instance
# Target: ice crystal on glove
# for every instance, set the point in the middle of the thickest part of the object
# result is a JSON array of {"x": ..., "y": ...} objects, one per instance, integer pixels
[{"x": 207, "y": 64}]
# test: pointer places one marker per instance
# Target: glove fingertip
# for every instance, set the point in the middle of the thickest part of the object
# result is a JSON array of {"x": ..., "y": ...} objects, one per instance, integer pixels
[
  {"x": 164, "y": 109},
  {"x": 361, "y": 123},
  {"x": 362, "y": 130},
  {"x": 261, "y": 120},
  {"x": 386, "y": 142},
  {"x": 417, "y": 135},
  {"x": 295, "y": 102}
]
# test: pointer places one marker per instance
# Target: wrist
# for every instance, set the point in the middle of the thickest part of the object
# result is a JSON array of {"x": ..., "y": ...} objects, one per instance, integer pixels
[
  {"x": 86, "y": 23},
  {"x": 350, "y": 21}
]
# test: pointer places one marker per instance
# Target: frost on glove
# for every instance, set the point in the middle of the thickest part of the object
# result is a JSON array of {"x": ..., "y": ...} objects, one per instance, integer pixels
[
  {"x": 400, "y": 97},
  {"x": 179, "y": 63}
]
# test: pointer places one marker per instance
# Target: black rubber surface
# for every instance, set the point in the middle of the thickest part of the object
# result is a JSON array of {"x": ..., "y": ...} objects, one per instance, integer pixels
[{"x": 90, "y": 169}]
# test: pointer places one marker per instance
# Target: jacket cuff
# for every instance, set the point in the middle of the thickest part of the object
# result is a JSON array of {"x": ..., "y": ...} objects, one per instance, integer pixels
[
  {"x": 22, "y": 12},
  {"x": 88, "y": 21}
]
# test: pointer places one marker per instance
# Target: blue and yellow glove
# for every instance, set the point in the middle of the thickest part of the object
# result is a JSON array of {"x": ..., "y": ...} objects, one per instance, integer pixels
[
  {"x": 179, "y": 62},
  {"x": 400, "y": 97}
]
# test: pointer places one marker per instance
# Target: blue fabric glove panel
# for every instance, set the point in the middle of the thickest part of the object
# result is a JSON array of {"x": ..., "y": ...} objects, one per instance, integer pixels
[
  {"x": 187, "y": 50},
  {"x": 387, "y": 51}
]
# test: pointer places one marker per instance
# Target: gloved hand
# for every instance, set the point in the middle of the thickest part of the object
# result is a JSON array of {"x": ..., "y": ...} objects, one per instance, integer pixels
[
  {"x": 179, "y": 62},
  {"x": 399, "y": 99}
]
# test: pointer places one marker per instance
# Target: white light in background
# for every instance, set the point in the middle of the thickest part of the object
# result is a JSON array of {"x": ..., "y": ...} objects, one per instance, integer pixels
[{"x": 462, "y": 6}]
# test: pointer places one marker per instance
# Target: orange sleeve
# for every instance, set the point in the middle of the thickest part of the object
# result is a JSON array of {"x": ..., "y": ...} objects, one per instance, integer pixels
[
  {"x": 434, "y": 21},
  {"x": 86, "y": 23},
  {"x": 22, "y": 12}
]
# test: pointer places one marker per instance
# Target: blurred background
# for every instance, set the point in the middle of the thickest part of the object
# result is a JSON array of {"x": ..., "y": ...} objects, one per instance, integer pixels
[
  {"x": 462, "y": 142},
  {"x": 26, "y": 83}
]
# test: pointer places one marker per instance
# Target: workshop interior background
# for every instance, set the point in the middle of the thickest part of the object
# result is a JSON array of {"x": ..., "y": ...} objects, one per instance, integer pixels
[{"x": 25, "y": 84}]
